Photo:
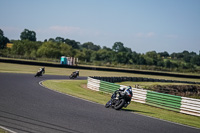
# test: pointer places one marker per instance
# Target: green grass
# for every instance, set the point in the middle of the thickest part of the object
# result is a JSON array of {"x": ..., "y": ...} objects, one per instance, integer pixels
[
  {"x": 3, "y": 131},
  {"x": 78, "y": 88},
  {"x": 18, "y": 68},
  {"x": 118, "y": 66}
]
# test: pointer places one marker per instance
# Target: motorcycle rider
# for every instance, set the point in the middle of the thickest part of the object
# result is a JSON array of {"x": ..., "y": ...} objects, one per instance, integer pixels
[
  {"x": 42, "y": 70},
  {"x": 76, "y": 73},
  {"x": 122, "y": 91}
]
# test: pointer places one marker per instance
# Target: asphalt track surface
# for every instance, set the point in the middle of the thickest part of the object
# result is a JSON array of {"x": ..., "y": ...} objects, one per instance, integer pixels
[{"x": 27, "y": 107}]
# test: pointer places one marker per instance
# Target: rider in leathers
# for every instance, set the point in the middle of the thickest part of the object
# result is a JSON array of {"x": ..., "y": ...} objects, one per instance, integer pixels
[{"x": 122, "y": 92}]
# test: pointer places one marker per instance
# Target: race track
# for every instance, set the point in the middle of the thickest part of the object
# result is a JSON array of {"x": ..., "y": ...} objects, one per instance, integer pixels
[{"x": 27, "y": 107}]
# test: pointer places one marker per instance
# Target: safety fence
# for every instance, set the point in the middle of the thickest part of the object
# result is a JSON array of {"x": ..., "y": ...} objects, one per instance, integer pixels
[{"x": 180, "y": 104}]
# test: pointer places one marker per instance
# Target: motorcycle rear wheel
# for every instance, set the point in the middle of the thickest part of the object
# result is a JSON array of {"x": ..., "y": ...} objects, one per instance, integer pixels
[{"x": 119, "y": 104}]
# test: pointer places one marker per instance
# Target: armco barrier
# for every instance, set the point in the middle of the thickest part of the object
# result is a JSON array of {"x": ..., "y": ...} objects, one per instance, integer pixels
[
  {"x": 139, "y": 95},
  {"x": 108, "y": 87},
  {"x": 180, "y": 104},
  {"x": 93, "y": 84},
  {"x": 190, "y": 106},
  {"x": 162, "y": 100}
]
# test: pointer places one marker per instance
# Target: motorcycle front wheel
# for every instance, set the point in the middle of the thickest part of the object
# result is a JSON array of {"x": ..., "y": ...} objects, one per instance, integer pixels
[
  {"x": 108, "y": 104},
  {"x": 119, "y": 104}
]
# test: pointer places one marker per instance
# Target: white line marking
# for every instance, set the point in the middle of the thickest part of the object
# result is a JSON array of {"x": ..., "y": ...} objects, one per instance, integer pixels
[
  {"x": 66, "y": 93},
  {"x": 7, "y": 129}
]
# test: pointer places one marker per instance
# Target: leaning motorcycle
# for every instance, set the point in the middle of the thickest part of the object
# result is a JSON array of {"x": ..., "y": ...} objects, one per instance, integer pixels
[
  {"x": 120, "y": 99},
  {"x": 38, "y": 74},
  {"x": 74, "y": 75}
]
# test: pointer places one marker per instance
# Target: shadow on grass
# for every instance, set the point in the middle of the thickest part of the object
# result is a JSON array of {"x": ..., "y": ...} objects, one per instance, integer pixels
[{"x": 136, "y": 111}]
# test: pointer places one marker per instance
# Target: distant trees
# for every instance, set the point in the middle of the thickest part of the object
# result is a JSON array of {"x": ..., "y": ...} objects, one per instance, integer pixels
[
  {"x": 25, "y": 48},
  {"x": 3, "y": 40},
  {"x": 164, "y": 54},
  {"x": 28, "y": 35},
  {"x": 89, "y": 52},
  {"x": 91, "y": 46},
  {"x": 118, "y": 47},
  {"x": 72, "y": 43}
]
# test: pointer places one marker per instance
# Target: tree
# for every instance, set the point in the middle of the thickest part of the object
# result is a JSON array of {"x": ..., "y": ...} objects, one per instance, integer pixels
[
  {"x": 164, "y": 54},
  {"x": 135, "y": 57},
  {"x": 128, "y": 50},
  {"x": 106, "y": 48},
  {"x": 51, "y": 39},
  {"x": 18, "y": 48},
  {"x": 168, "y": 64},
  {"x": 25, "y": 48},
  {"x": 151, "y": 58},
  {"x": 87, "y": 54},
  {"x": 196, "y": 60},
  {"x": 66, "y": 50},
  {"x": 59, "y": 39},
  {"x": 50, "y": 50},
  {"x": 161, "y": 63},
  {"x": 91, "y": 46},
  {"x": 1, "y": 32},
  {"x": 141, "y": 60},
  {"x": 72, "y": 43},
  {"x": 118, "y": 47},
  {"x": 105, "y": 55},
  {"x": 28, "y": 35},
  {"x": 3, "y": 40}
]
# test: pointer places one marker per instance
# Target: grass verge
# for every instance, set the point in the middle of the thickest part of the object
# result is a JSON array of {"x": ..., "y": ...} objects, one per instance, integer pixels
[
  {"x": 78, "y": 88},
  {"x": 3, "y": 131},
  {"x": 18, "y": 68}
]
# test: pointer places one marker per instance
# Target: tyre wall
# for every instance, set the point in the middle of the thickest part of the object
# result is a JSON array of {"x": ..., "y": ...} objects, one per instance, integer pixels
[{"x": 140, "y": 79}]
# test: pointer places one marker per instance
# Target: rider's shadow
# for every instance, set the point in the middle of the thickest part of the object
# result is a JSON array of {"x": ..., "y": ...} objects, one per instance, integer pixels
[{"x": 136, "y": 111}]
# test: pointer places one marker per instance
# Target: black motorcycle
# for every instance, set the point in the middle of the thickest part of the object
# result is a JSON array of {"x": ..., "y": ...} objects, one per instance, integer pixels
[
  {"x": 38, "y": 74},
  {"x": 74, "y": 75},
  {"x": 120, "y": 99}
]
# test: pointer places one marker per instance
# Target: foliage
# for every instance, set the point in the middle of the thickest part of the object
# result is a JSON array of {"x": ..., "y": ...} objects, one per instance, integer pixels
[
  {"x": 28, "y": 35},
  {"x": 90, "y": 53},
  {"x": 3, "y": 40},
  {"x": 91, "y": 46}
]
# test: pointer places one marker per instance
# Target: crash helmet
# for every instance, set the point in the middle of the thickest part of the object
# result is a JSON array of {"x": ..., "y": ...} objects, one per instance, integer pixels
[{"x": 129, "y": 88}]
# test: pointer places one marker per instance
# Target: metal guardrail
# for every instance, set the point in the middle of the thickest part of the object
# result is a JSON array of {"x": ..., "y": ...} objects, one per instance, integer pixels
[
  {"x": 108, "y": 87},
  {"x": 190, "y": 106},
  {"x": 162, "y": 100}
]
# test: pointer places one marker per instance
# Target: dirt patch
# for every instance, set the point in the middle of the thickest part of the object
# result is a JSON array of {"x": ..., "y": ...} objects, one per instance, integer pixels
[
  {"x": 179, "y": 90},
  {"x": 84, "y": 86}
]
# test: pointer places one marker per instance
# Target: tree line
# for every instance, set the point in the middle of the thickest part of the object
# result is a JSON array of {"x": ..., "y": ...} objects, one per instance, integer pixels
[{"x": 90, "y": 53}]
